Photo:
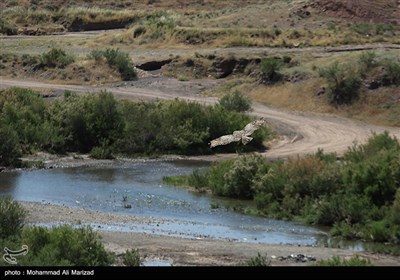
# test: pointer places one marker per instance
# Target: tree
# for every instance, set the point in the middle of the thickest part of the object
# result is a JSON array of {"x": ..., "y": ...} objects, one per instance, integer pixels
[{"x": 12, "y": 217}]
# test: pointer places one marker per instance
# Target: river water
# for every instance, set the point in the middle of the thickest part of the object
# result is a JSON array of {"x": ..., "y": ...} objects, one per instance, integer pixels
[{"x": 136, "y": 188}]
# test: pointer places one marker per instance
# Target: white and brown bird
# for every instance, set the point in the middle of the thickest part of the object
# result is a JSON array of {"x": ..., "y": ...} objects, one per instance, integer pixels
[{"x": 239, "y": 135}]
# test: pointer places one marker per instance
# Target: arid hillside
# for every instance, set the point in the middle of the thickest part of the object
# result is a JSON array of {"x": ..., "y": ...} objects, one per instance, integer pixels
[{"x": 387, "y": 11}]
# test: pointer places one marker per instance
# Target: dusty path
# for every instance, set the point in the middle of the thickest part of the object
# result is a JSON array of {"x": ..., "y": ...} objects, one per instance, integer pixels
[
  {"x": 184, "y": 251},
  {"x": 305, "y": 132}
]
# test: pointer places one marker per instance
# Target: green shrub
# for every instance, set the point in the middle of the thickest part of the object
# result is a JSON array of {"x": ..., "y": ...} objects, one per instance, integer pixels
[
  {"x": 376, "y": 143},
  {"x": 337, "y": 261},
  {"x": 122, "y": 62},
  {"x": 258, "y": 260},
  {"x": 56, "y": 58},
  {"x": 64, "y": 245},
  {"x": 240, "y": 178},
  {"x": 269, "y": 70},
  {"x": 367, "y": 60},
  {"x": 6, "y": 28},
  {"x": 392, "y": 71},
  {"x": 12, "y": 218},
  {"x": 343, "y": 83},
  {"x": 102, "y": 152},
  {"x": 362, "y": 28},
  {"x": 97, "y": 55},
  {"x": 132, "y": 258},
  {"x": 9, "y": 146},
  {"x": 381, "y": 28},
  {"x": 236, "y": 101}
]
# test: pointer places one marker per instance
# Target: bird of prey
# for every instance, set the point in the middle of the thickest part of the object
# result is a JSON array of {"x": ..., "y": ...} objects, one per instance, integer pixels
[{"x": 239, "y": 135}]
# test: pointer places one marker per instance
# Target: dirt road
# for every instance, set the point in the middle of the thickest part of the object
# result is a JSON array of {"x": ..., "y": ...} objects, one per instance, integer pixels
[{"x": 303, "y": 132}]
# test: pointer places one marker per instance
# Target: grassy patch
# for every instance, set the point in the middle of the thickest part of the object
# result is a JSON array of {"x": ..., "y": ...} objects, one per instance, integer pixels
[{"x": 337, "y": 261}]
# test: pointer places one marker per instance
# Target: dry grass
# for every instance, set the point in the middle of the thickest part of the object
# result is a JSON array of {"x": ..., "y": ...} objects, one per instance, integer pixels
[{"x": 298, "y": 96}]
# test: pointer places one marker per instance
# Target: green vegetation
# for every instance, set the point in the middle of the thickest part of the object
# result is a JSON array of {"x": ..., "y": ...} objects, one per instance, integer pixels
[
  {"x": 343, "y": 83},
  {"x": 57, "y": 246},
  {"x": 56, "y": 58},
  {"x": 269, "y": 70},
  {"x": 103, "y": 126},
  {"x": 12, "y": 217},
  {"x": 6, "y": 28},
  {"x": 64, "y": 245},
  {"x": 120, "y": 60},
  {"x": 236, "y": 101},
  {"x": 132, "y": 258},
  {"x": 258, "y": 260},
  {"x": 337, "y": 261},
  {"x": 358, "y": 197}
]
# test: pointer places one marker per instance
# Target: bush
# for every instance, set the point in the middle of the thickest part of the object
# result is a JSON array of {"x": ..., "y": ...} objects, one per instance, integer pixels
[
  {"x": 88, "y": 121},
  {"x": 337, "y": 261},
  {"x": 392, "y": 71},
  {"x": 269, "y": 70},
  {"x": 6, "y": 28},
  {"x": 102, "y": 152},
  {"x": 343, "y": 83},
  {"x": 132, "y": 258},
  {"x": 12, "y": 218},
  {"x": 258, "y": 260},
  {"x": 64, "y": 245},
  {"x": 122, "y": 62},
  {"x": 56, "y": 58},
  {"x": 236, "y": 101},
  {"x": 240, "y": 178},
  {"x": 376, "y": 143},
  {"x": 9, "y": 146},
  {"x": 367, "y": 60}
]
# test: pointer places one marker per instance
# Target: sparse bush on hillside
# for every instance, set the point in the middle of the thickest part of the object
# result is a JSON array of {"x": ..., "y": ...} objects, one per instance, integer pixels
[
  {"x": 236, "y": 101},
  {"x": 393, "y": 71},
  {"x": 56, "y": 58},
  {"x": 343, "y": 83},
  {"x": 120, "y": 60},
  {"x": 6, "y": 28},
  {"x": 269, "y": 70},
  {"x": 367, "y": 60}
]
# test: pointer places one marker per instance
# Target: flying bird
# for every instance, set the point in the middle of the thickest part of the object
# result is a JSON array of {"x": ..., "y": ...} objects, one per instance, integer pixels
[{"x": 239, "y": 135}]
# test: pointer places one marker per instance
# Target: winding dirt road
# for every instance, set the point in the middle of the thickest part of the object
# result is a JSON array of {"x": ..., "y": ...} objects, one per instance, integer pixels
[{"x": 305, "y": 132}]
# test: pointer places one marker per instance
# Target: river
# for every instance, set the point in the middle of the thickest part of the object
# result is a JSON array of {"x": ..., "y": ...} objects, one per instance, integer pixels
[{"x": 136, "y": 188}]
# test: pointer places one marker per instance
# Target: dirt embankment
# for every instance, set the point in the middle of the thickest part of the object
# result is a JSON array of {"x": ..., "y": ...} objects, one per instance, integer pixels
[{"x": 185, "y": 251}]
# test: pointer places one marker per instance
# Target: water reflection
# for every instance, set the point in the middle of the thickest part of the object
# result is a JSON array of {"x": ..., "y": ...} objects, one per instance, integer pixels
[
  {"x": 7, "y": 182},
  {"x": 135, "y": 188}
]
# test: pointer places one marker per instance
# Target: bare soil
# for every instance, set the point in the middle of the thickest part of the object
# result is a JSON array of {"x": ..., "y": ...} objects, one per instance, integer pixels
[{"x": 185, "y": 251}]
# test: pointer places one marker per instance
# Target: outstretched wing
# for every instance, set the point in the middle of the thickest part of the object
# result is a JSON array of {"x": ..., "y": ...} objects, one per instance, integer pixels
[
  {"x": 253, "y": 126},
  {"x": 239, "y": 135},
  {"x": 225, "y": 140}
]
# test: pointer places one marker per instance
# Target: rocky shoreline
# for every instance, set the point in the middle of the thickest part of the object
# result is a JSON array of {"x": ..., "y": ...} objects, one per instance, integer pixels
[{"x": 187, "y": 251}]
